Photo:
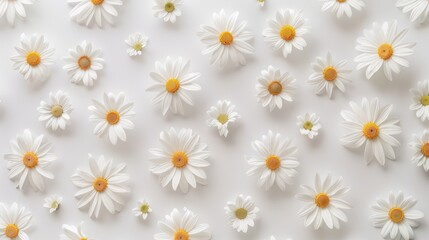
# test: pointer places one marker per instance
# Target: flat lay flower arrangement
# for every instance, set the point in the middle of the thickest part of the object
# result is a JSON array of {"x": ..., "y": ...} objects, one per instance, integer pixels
[{"x": 199, "y": 120}]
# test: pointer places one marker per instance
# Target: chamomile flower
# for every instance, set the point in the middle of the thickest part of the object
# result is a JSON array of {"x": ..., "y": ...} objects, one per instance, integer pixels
[
  {"x": 421, "y": 100},
  {"x": 113, "y": 116},
  {"x": 173, "y": 85},
  {"x": 136, "y": 42},
  {"x": 168, "y": 9},
  {"x": 343, "y": 6},
  {"x": 329, "y": 75},
  {"x": 371, "y": 125},
  {"x": 30, "y": 160},
  {"x": 102, "y": 186},
  {"x": 227, "y": 40},
  {"x": 418, "y": 9},
  {"x": 261, "y": 3},
  {"x": 82, "y": 64},
  {"x": 182, "y": 226},
  {"x": 275, "y": 87},
  {"x": 181, "y": 160},
  {"x": 242, "y": 213},
  {"x": 309, "y": 125},
  {"x": 286, "y": 31},
  {"x": 53, "y": 203},
  {"x": 142, "y": 210},
  {"x": 85, "y": 11},
  {"x": 13, "y": 9},
  {"x": 221, "y": 115},
  {"x": 324, "y": 203},
  {"x": 274, "y": 162},
  {"x": 56, "y": 113},
  {"x": 420, "y": 146},
  {"x": 71, "y": 232},
  {"x": 14, "y": 222},
  {"x": 33, "y": 58},
  {"x": 383, "y": 47},
  {"x": 395, "y": 216}
]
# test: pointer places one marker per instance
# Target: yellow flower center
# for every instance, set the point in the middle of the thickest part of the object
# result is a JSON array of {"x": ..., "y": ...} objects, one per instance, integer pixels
[
  {"x": 371, "y": 130},
  {"x": 113, "y": 117},
  {"x": 287, "y": 33},
  {"x": 97, "y": 2},
  {"x": 138, "y": 46},
  {"x": 11, "y": 231},
  {"x": 100, "y": 184},
  {"x": 308, "y": 125},
  {"x": 54, "y": 205},
  {"x": 396, "y": 215},
  {"x": 322, "y": 200},
  {"x": 179, "y": 159},
  {"x": 169, "y": 7},
  {"x": 181, "y": 234},
  {"x": 144, "y": 208},
  {"x": 385, "y": 51},
  {"x": 84, "y": 238},
  {"x": 425, "y": 149},
  {"x": 30, "y": 159},
  {"x": 33, "y": 59},
  {"x": 275, "y": 88},
  {"x": 84, "y": 63},
  {"x": 341, "y": 1},
  {"x": 241, "y": 213},
  {"x": 272, "y": 162},
  {"x": 424, "y": 100},
  {"x": 330, "y": 73},
  {"x": 226, "y": 38},
  {"x": 223, "y": 118},
  {"x": 57, "y": 111},
  {"x": 172, "y": 85}
]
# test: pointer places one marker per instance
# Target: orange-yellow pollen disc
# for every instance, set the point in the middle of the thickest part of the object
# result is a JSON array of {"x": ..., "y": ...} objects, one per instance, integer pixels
[
  {"x": 396, "y": 215},
  {"x": 30, "y": 159},
  {"x": 179, "y": 159},
  {"x": 100, "y": 184},
  {"x": 57, "y": 111},
  {"x": 424, "y": 100},
  {"x": 275, "y": 88},
  {"x": 226, "y": 38},
  {"x": 84, "y": 63},
  {"x": 33, "y": 59},
  {"x": 11, "y": 231},
  {"x": 341, "y": 1},
  {"x": 371, "y": 130},
  {"x": 113, "y": 117},
  {"x": 272, "y": 162},
  {"x": 181, "y": 234},
  {"x": 322, "y": 200},
  {"x": 97, "y": 2},
  {"x": 385, "y": 51},
  {"x": 425, "y": 149},
  {"x": 241, "y": 213},
  {"x": 330, "y": 73},
  {"x": 172, "y": 85},
  {"x": 287, "y": 33},
  {"x": 223, "y": 118}
]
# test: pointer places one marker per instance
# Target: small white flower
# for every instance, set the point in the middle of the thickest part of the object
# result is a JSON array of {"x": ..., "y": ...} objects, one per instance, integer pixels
[
  {"x": 273, "y": 238},
  {"x": 221, "y": 115},
  {"x": 71, "y": 232},
  {"x": 261, "y": 3},
  {"x": 136, "y": 43},
  {"x": 342, "y": 6},
  {"x": 309, "y": 125},
  {"x": 143, "y": 209},
  {"x": 85, "y": 11},
  {"x": 420, "y": 146},
  {"x": 418, "y": 9},
  {"x": 242, "y": 213},
  {"x": 13, "y": 9},
  {"x": 14, "y": 222},
  {"x": 421, "y": 100},
  {"x": 53, "y": 203},
  {"x": 56, "y": 113},
  {"x": 168, "y": 9}
]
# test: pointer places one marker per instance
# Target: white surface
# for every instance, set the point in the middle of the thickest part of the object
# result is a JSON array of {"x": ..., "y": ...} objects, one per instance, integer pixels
[{"x": 227, "y": 175}]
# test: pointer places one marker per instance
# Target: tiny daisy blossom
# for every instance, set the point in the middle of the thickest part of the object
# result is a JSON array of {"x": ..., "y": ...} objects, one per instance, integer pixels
[
  {"x": 56, "y": 113},
  {"x": 420, "y": 146},
  {"x": 329, "y": 75},
  {"x": 383, "y": 47},
  {"x": 221, "y": 115},
  {"x": 168, "y": 9},
  {"x": 30, "y": 160},
  {"x": 136, "y": 43},
  {"x": 142, "y": 210},
  {"x": 173, "y": 85},
  {"x": 14, "y": 222},
  {"x": 421, "y": 100},
  {"x": 113, "y": 116},
  {"x": 418, "y": 9},
  {"x": 261, "y": 3},
  {"x": 182, "y": 159},
  {"x": 372, "y": 126},
  {"x": 227, "y": 40},
  {"x": 242, "y": 213},
  {"x": 82, "y": 64},
  {"x": 71, "y": 232},
  {"x": 324, "y": 203},
  {"x": 33, "y": 57},
  {"x": 53, "y": 203},
  {"x": 395, "y": 216},
  {"x": 342, "y": 6},
  {"x": 275, "y": 87},
  {"x": 309, "y": 125},
  {"x": 286, "y": 31},
  {"x": 13, "y": 9},
  {"x": 85, "y": 11},
  {"x": 275, "y": 161}
]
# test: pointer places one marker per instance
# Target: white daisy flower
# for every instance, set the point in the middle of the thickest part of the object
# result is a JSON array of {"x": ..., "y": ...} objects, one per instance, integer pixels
[
  {"x": 418, "y": 9},
  {"x": 182, "y": 226},
  {"x": 85, "y": 11},
  {"x": 30, "y": 160},
  {"x": 113, "y": 116},
  {"x": 242, "y": 213},
  {"x": 275, "y": 87},
  {"x": 168, "y": 9},
  {"x": 142, "y": 210},
  {"x": 227, "y": 40},
  {"x": 342, "y": 6},
  {"x": 104, "y": 185},
  {"x": 324, "y": 203},
  {"x": 53, "y": 203},
  {"x": 33, "y": 57},
  {"x": 221, "y": 115},
  {"x": 286, "y": 31},
  {"x": 261, "y": 3},
  {"x": 329, "y": 75},
  {"x": 273, "y": 238},
  {"x": 420, "y": 146},
  {"x": 309, "y": 125},
  {"x": 136, "y": 43},
  {"x": 383, "y": 46},
  {"x": 14, "y": 222},
  {"x": 82, "y": 64},
  {"x": 275, "y": 161},
  {"x": 370, "y": 125},
  {"x": 56, "y": 113},
  {"x": 421, "y": 100},
  {"x": 396, "y": 217},
  {"x": 173, "y": 84},
  {"x": 182, "y": 159},
  {"x": 13, "y": 9},
  {"x": 71, "y": 232}
]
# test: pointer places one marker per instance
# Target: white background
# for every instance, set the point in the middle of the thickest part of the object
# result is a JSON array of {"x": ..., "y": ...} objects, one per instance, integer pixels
[{"x": 227, "y": 174}]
